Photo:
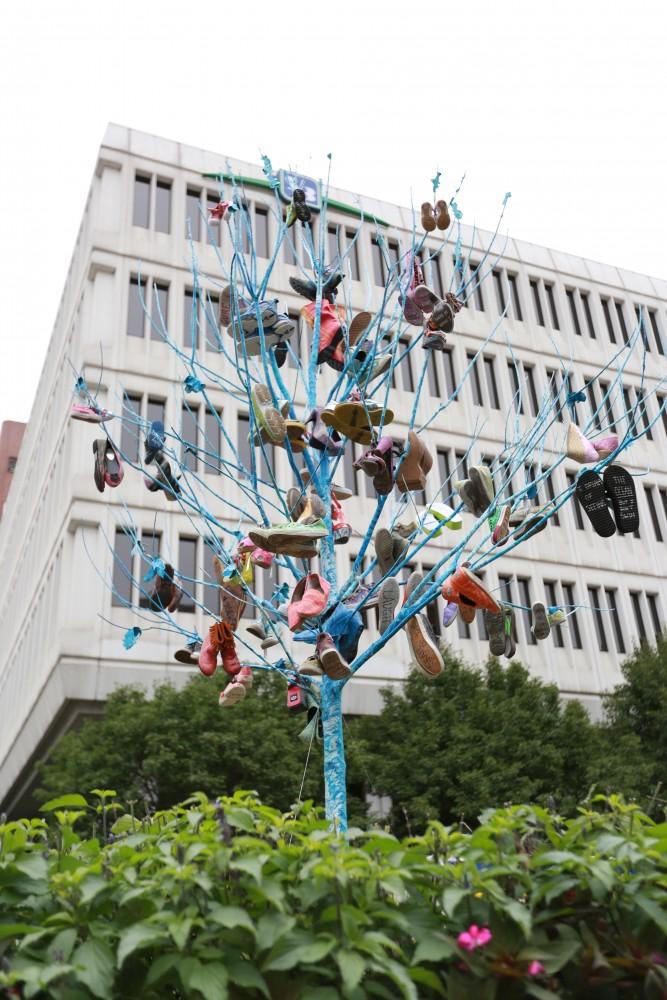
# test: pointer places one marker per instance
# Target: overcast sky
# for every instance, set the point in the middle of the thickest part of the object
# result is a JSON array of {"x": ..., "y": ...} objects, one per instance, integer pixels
[{"x": 561, "y": 103}]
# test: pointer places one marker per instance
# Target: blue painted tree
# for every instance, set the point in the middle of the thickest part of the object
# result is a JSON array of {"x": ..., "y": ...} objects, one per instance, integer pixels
[{"x": 481, "y": 514}]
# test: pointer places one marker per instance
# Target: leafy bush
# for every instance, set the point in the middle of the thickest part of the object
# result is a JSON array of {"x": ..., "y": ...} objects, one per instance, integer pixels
[{"x": 236, "y": 900}]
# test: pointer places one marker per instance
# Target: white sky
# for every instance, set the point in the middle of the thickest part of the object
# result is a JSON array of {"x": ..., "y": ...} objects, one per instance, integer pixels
[{"x": 562, "y": 103}]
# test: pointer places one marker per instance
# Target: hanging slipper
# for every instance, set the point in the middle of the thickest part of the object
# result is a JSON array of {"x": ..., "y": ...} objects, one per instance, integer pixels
[
  {"x": 415, "y": 466},
  {"x": 424, "y": 298},
  {"x": 442, "y": 219},
  {"x": 590, "y": 491},
  {"x": 268, "y": 417},
  {"x": 605, "y": 446},
  {"x": 440, "y": 516},
  {"x": 620, "y": 488},
  {"x": 579, "y": 448},
  {"x": 539, "y": 624},
  {"x": 495, "y": 626},
  {"x": 428, "y": 219}
]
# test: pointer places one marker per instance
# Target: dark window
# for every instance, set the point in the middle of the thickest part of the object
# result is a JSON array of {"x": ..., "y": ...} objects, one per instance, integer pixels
[
  {"x": 150, "y": 544},
  {"x": 590, "y": 389},
  {"x": 187, "y": 568},
  {"x": 122, "y": 570},
  {"x": 587, "y": 313},
  {"x": 551, "y": 299},
  {"x": 642, "y": 409},
  {"x": 537, "y": 299},
  {"x": 629, "y": 411},
  {"x": 215, "y": 237},
  {"x": 475, "y": 379},
  {"x": 461, "y": 469},
  {"x": 530, "y": 478},
  {"x": 610, "y": 596},
  {"x": 211, "y": 597},
  {"x": 514, "y": 296},
  {"x": 554, "y": 389},
  {"x": 393, "y": 251},
  {"x": 332, "y": 243},
  {"x": 652, "y": 600},
  {"x": 378, "y": 262},
  {"x": 608, "y": 320},
  {"x": 663, "y": 498},
  {"x": 190, "y": 436},
  {"x": 489, "y": 368},
  {"x": 575, "y": 634},
  {"x": 652, "y": 509},
  {"x": 290, "y": 244},
  {"x": 243, "y": 448},
  {"x": 663, "y": 410},
  {"x": 349, "y": 472},
  {"x": 352, "y": 251},
  {"x": 433, "y": 377},
  {"x": 514, "y": 381},
  {"x": 551, "y": 494},
  {"x": 213, "y": 443},
  {"x": 529, "y": 373},
  {"x": 527, "y": 601},
  {"x": 500, "y": 292},
  {"x": 594, "y": 601},
  {"x": 552, "y": 602},
  {"x": 155, "y": 410},
  {"x": 635, "y": 597},
  {"x": 192, "y": 213},
  {"x": 406, "y": 365},
  {"x": 11, "y": 463},
  {"x": 621, "y": 320},
  {"x": 211, "y": 311},
  {"x": 479, "y": 297},
  {"x": 643, "y": 329},
  {"x": 450, "y": 374},
  {"x": 606, "y": 404},
  {"x": 576, "y": 506},
  {"x": 163, "y": 206},
  {"x": 573, "y": 310},
  {"x": 159, "y": 310},
  {"x": 130, "y": 428},
  {"x": 463, "y": 628},
  {"x": 444, "y": 471},
  {"x": 141, "y": 211},
  {"x": 436, "y": 278},
  {"x": 505, "y": 589},
  {"x": 135, "y": 308},
  {"x": 189, "y": 320},
  {"x": 653, "y": 317},
  {"x": 261, "y": 231}
]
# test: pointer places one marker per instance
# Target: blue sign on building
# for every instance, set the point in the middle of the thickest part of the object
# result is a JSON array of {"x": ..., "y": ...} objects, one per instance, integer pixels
[{"x": 289, "y": 181}]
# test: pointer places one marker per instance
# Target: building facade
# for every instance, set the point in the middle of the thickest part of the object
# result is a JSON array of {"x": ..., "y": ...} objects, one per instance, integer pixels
[{"x": 61, "y": 652}]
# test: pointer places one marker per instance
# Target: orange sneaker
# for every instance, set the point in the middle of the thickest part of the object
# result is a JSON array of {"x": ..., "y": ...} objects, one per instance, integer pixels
[{"x": 464, "y": 584}]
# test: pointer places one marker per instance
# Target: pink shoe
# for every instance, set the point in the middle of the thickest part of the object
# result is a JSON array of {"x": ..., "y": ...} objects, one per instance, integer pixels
[
  {"x": 309, "y": 600},
  {"x": 89, "y": 414},
  {"x": 605, "y": 446},
  {"x": 424, "y": 298},
  {"x": 579, "y": 447},
  {"x": 245, "y": 677},
  {"x": 235, "y": 691},
  {"x": 208, "y": 656},
  {"x": 260, "y": 557}
]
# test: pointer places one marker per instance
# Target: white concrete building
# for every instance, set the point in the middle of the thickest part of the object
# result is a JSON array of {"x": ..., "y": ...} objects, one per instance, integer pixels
[{"x": 59, "y": 658}]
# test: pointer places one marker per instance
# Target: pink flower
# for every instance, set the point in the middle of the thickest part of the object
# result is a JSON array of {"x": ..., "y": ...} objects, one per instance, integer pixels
[
  {"x": 474, "y": 937},
  {"x": 535, "y": 969}
]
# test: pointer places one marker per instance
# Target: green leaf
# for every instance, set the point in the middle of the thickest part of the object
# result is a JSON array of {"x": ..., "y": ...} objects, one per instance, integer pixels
[
  {"x": 271, "y": 927},
  {"x": 399, "y": 975},
  {"x": 180, "y": 931},
  {"x": 60, "y": 947},
  {"x": 245, "y": 974},
  {"x": 427, "y": 977},
  {"x": 95, "y": 967},
  {"x": 34, "y": 866},
  {"x": 16, "y": 930},
  {"x": 135, "y": 937},
  {"x": 91, "y": 886},
  {"x": 451, "y": 898},
  {"x": 252, "y": 865},
  {"x": 65, "y": 802},
  {"x": 652, "y": 910},
  {"x": 519, "y": 913},
  {"x": 160, "y": 966},
  {"x": 351, "y": 966},
  {"x": 433, "y": 948},
  {"x": 231, "y": 916},
  {"x": 540, "y": 993},
  {"x": 209, "y": 978}
]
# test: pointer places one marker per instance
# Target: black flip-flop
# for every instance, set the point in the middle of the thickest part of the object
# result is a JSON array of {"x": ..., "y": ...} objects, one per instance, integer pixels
[
  {"x": 592, "y": 497},
  {"x": 620, "y": 487}
]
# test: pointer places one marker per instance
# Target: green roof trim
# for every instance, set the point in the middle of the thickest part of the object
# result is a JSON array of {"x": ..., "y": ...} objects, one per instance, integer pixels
[{"x": 259, "y": 182}]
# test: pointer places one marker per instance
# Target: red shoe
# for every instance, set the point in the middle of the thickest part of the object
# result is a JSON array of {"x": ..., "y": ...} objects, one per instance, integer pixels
[
  {"x": 208, "y": 656},
  {"x": 222, "y": 638},
  {"x": 331, "y": 330},
  {"x": 245, "y": 677},
  {"x": 341, "y": 529},
  {"x": 309, "y": 599},
  {"x": 296, "y": 700},
  {"x": 463, "y": 587}
]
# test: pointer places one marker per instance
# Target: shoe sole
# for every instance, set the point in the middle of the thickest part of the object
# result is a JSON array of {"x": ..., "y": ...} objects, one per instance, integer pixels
[
  {"x": 501, "y": 529},
  {"x": 333, "y": 665},
  {"x": 98, "y": 471},
  {"x": 236, "y": 694},
  {"x": 267, "y": 415},
  {"x": 442, "y": 219},
  {"x": 390, "y": 593},
  {"x": 428, "y": 221},
  {"x": 424, "y": 651},
  {"x": 620, "y": 488},
  {"x": 384, "y": 550},
  {"x": 495, "y": 626},
  {"x": 540, "y": 626}
]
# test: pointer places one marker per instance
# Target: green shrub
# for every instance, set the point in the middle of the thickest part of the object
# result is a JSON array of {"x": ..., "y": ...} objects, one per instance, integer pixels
[{"x": 234, "y": 899}]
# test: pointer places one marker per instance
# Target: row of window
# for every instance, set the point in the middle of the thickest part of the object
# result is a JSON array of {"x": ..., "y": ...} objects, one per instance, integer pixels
[{"x": 152, "y": 210}]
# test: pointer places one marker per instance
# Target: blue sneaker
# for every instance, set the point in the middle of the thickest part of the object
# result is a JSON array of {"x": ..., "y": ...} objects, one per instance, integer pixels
[{"x": 154, "y": 442}]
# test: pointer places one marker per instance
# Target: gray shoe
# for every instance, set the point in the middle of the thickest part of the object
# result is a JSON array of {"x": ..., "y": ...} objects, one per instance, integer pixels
[
  {"x": 468, "y": 494},
  {"x": 495, "y": 626},
  {"x": 511, "y": 636},
  {"x": 540, "y": 626},
  {"x": 390, "y": 593}
]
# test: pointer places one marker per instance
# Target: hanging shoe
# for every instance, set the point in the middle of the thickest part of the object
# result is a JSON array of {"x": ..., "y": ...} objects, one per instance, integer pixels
[
  {"x": 464, "y": 584},
  {"x": 620, "y": 489},
  {"x": 428, "y": 219},
  {"x": 222, "y": 638},
  {"x": 579, "y": 448},
  {"x": 384, "y": 550},
  {"x": 311, "y": 666},
  {"x": 301, "y": 208},
  {"x": 232, "y": 694},
  {"x": 511, "y": 637},
  {"x": 539, "y": 623},
  {"x": 107, "y": 462},
  {"x": 268, "y": 417},
  {"x": 424, "y": 646},
  {"x": 154, "y": 442},
  {"x": 440, "y": 516},
  {"x": 433, "y": 340},
  {"x": 495, "y": 627},
  {"x": 323, "y": 438},
  {"x": 341, "y": 529},
  {"x": 501, "y": 525},
  {"x": 414, "y": 467},
  {"x": 331, "y": 659},
  {"x": 390, "y": 593},
  {"x": 442, "y": 318},
  {"x": 309, "y": 599},
  {"x": 189, "y": 654},
  {"x": 449, "y": 614},
  {"x": 442, "y": 219},
  {"x": 90, "y": 414}
]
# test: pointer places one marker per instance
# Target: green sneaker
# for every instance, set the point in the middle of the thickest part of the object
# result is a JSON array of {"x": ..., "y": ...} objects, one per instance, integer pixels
[
  {"x": 281, "y": 537},
  {"x": 269, "y": 419}
]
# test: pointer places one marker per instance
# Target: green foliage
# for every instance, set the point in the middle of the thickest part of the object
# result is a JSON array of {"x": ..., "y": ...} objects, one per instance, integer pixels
[
  {"x": 473, "y": 739},
  {"x": 235, "y": 900}
]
